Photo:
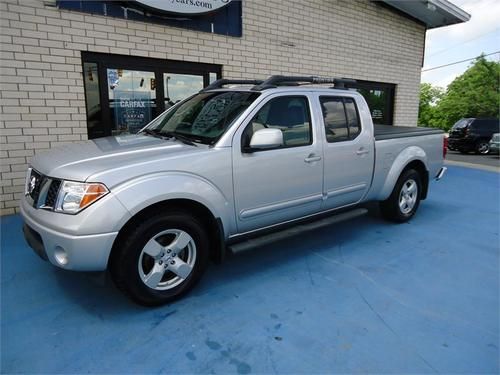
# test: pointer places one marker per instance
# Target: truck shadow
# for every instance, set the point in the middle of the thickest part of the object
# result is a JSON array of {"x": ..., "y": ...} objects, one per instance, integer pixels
[{"x": 96, "y": 294}]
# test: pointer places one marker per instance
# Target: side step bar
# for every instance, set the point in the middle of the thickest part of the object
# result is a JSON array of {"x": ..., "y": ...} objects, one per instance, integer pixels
[{"x": 297, "y": 229}]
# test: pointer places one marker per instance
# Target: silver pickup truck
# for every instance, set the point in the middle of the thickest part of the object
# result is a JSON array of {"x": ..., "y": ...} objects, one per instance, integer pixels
[{"x": 154, "y": 207}]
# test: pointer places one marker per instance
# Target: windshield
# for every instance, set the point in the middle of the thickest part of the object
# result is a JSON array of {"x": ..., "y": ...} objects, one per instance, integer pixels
[
  {"x": 461, "y": 123},
  {"x": 204, "y": 117}
]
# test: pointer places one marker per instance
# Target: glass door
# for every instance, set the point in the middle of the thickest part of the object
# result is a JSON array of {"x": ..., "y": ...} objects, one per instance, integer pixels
[
  {"x": 124, "y": 93},
  {"x": 131, "y": 99},
  {"x": 180, "y": 86},
  {"x": 92, "y": 99}
]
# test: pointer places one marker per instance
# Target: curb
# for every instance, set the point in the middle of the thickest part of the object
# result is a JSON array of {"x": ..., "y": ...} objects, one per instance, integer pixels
[{"x": 488, "y": 168}]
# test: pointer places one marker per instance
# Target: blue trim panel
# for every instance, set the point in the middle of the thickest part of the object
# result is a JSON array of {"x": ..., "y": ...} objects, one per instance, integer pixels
[{"x": 225, "y": 21}]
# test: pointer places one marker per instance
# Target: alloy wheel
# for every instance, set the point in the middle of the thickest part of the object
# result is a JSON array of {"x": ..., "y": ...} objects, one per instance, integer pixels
[
  {"x": 167, "y": 259},
  {"x": 408, "y": 196}
]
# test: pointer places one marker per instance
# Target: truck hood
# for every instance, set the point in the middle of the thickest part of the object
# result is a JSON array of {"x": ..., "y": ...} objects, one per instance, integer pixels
[{"x": 79, "y": 161}]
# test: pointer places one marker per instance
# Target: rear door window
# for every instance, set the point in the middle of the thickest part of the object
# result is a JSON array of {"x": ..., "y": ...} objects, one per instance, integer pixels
[
  {"x": 352, "y": 118},
  {"x": 493, "y": 125},
  {"x": 341, "y": 118},
  {"x": 483, "y": 125}
]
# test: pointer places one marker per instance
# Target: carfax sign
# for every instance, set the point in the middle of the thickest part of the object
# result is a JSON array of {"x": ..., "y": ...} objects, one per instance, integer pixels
[{"x": 132, "y": 110}]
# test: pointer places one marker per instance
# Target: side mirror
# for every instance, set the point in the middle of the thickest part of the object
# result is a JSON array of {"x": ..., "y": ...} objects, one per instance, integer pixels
[{"x": 265, "y": 139}]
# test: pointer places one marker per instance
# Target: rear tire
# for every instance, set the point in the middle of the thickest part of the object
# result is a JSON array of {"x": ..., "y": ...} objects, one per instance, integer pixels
[
  {"x": 161, "y": 258},
  {"x": 482, "y": 147},
  {"x": 404, "y": 199}
]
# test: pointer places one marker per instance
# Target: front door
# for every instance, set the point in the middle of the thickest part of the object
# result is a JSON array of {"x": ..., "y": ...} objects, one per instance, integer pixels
[
  {"x": 276, "y": 185},
  {"x": 131, "y": 99},
  {"x": 179, "y": 86},
  {"x": 124, "y": 93},
  {"x": 348, "y": 152}
]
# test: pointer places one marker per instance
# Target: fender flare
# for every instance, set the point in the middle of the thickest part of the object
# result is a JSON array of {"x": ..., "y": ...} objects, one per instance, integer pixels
[
  {"x": 405, "y": 157},
  {"x": 164, "y": 186}
]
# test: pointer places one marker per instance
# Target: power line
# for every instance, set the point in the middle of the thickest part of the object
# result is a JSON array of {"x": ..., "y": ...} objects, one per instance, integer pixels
[
  {"x": 458, "y": 62},
  {"x": 465, "y": 42}
]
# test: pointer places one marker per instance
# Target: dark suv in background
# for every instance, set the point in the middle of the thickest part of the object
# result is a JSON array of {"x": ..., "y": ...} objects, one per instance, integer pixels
[{"x": 473, "y": 134}]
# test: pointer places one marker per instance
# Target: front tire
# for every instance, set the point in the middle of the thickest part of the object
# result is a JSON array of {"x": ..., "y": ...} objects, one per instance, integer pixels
[
  {"x": 404, "y": 199},
  {"x": 161, "y": 259}
]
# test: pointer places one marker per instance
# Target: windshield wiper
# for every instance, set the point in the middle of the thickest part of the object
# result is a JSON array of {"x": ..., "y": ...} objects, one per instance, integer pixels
[
  {"x": 153, "y": 132},
  {"x": 179, "y": 137},
  {"x": 170, "y": 135}
]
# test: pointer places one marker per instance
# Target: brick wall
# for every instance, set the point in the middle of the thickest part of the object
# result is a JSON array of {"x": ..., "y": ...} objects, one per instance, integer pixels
[{"x": 42, "y": 100}]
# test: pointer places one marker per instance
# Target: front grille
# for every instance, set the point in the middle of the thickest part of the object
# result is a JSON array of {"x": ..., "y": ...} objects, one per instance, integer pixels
[
  {"x": 496, "y": 138},
  {"x": 42, "y": 190},
  {"x": 34, "y": 185},
  {"x": 50, "y": 201}
]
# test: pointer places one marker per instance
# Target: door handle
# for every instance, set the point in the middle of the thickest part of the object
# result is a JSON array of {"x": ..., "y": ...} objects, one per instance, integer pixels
[
  {"x": 362, "y": 151},
  {"x": 312, "y": 158}
]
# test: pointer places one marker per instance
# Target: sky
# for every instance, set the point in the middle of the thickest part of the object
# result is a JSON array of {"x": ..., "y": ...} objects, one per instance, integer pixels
[{"x": 463, "y": 41}]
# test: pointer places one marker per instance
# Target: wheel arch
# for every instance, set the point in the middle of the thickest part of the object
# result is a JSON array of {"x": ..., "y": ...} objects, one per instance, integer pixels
[
  {"x": 411, "y": 158},
  {"x": 213, "y": 225},
  {"x": 419, "y": 166}
]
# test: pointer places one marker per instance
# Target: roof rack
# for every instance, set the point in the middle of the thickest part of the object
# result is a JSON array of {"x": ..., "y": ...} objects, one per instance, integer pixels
[
  {"x": 278, "y": 80},
  {"x": 221, "y": 82}
]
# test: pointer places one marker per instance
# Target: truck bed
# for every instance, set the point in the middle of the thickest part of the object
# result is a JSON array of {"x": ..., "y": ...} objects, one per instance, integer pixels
[{"x": 382, "y": 132}]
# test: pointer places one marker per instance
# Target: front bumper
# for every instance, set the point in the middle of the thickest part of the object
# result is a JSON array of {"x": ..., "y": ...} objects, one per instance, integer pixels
[
  {"x": 459, "y": 143},
  {"x": 68, "y": 251}
]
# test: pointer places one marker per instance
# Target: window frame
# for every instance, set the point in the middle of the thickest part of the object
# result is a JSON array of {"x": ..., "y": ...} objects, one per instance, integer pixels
[
  {"x": 246, "y": 149},
  {"x": 343, "y": 99}
]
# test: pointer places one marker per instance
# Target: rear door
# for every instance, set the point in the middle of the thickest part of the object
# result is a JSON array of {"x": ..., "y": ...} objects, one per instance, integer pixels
[
  {"x": 276, "y": 185},
  {"x": 348, "y": 150}
]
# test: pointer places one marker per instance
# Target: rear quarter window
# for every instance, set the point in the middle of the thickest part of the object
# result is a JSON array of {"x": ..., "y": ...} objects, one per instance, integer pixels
[{"x": 488, "y": 125}]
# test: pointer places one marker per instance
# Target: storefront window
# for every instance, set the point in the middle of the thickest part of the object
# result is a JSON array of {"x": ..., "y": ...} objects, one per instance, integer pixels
[
  {"x": 180, "y": 86},
  {"x": 92, "y": 97},
  {"x": 124, "y": 93},
  {"x": 380, "y": 99},
  {"x": 132, "y": 97}
]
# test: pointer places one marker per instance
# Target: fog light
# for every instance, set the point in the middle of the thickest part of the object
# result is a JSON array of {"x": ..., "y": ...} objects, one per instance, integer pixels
[{"x": 61, "y": 256}]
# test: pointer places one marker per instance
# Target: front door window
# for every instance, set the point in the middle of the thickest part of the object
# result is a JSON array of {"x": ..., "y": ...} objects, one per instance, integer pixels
[{"x": 132, "y": 99}]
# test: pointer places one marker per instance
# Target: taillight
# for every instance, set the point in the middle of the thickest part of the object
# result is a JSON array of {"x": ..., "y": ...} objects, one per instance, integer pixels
[{"x": 445, "y": 146}]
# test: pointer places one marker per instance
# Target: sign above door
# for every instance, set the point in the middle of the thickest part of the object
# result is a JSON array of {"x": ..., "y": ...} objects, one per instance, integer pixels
[
  {"x": 223, "y": 17},
  {"x": 185, "y": 6}
]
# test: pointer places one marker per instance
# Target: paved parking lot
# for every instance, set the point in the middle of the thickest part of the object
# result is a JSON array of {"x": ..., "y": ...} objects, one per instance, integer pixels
[
  {"x": 360, "y": 296},
  {"x": 492, "y": 160}
]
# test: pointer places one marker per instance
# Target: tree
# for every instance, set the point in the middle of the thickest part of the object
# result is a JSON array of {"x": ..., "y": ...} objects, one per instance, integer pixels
[
  {"x": 429, "y": 97},
  {"x": 475, "y": 93}
]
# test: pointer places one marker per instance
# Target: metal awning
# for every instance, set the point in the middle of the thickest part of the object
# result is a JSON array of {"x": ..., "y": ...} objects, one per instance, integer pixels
[{"x": 433, "y": 13}]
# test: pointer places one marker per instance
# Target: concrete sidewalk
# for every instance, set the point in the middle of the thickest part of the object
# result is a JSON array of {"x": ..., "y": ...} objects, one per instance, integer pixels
[{"x": 359, "y": 296}]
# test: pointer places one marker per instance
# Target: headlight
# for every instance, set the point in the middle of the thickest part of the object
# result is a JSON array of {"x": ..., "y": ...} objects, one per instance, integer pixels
[{"x": 75, "y": 196}]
